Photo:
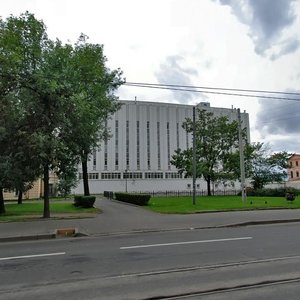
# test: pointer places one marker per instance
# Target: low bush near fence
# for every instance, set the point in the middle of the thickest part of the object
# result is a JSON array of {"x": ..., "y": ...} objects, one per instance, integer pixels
[
  {"x": 280, "y": 192},
  {"x": 84, "y": 201},
  {"x": 138, "y": 199}
]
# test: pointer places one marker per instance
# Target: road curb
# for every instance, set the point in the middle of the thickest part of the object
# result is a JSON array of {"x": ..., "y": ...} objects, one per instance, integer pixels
[
  {"x": 261, "y": 222},
  {"x": 58, "y": 233},
  {"x": 73, "y": 232},
  {"x": 28, "y": 237},
  {"x": 250, "y": 223}
]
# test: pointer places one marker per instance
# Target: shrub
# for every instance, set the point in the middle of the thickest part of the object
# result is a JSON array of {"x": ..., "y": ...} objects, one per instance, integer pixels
[
  {"x": 84, "y": 201},
  {"x": 138, "y": 199},
  {"x": 280, "y": 192},
  {"x": 290, "y": 196},
  {"x": 77, "y": 200}
]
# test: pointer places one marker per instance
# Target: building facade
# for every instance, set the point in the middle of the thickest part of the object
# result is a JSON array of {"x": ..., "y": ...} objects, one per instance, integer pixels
[
  {"x": 144, "y": 136},
  {"x": 294, "y": 168},
  {"x": 37, "y": 190}
]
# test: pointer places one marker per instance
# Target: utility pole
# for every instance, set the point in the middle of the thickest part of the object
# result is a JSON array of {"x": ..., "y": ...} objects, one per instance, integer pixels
[
  {"x": 126, "y": 178},
  {"x": 194, "y": 155},
  {"x": 242, "y": 159}
]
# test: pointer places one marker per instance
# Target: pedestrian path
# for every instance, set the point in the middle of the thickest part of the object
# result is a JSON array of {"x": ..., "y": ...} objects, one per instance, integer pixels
[{"x": 117, "y": 217}]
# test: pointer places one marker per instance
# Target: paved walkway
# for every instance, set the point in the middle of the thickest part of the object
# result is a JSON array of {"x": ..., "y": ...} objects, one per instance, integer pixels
[{"x": 120, "y": 217}]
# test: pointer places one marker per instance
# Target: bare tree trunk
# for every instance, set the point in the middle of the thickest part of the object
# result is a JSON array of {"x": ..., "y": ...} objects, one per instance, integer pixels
[
  {"x": 2, "y": 206},
  {"x": 208, "y": 187},
  {"x": 85, "y": 177},
  {"x": 20, "y": 197},
  {"x": 46, "y": 192}
]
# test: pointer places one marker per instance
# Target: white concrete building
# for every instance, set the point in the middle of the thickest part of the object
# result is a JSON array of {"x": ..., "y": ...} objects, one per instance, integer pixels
[{"x": 144, "y": 137}]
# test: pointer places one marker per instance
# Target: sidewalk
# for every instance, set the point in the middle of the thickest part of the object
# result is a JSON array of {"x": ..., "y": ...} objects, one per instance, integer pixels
[{"x": 118, "y": 218}]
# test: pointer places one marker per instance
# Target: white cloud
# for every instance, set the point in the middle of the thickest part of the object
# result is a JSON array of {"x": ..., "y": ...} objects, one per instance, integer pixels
[
  {"x": 190, "y": 42},
  {"x": 267, "y": 21}
]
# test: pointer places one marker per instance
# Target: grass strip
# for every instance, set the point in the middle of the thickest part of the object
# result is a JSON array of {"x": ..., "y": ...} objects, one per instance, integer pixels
[
  {"x": 16, "y": 211},
  {"x": 184, "y": 205}
]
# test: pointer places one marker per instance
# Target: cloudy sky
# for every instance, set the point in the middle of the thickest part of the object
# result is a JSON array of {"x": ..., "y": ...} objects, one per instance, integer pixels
[{"x": 235, "y": 44}]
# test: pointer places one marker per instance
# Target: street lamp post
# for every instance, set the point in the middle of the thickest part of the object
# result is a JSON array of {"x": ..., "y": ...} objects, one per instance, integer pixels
[
  {"x": 126, "y": 176},
  {"x": 242, "y": 159},
  {"x": 194, "y": 155}
]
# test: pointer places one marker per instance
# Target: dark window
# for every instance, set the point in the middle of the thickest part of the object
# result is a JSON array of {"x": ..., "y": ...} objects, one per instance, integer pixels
[
  {"x": 148, "y": 145},
  {"x": 138, "y": 144},
  {"x": 127, "y": 144}
]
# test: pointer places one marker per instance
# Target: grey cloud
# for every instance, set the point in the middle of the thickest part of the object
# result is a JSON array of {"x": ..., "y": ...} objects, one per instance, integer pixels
[
  {"x": 290, "y": 145},
  {"x": 175, "y": 71},
  {"x": 288, "y": 46},
  {"x": 279, "y": 117},
  {"x": 266, "y": 19}
]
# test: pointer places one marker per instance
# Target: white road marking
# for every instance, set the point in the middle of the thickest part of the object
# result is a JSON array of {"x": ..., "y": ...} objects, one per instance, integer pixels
[
  {"x": 186, "y": 243},
  {"x": 32, "y": 256}
]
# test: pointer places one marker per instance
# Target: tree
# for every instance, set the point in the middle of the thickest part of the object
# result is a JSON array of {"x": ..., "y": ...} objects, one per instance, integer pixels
[
  {"x": 216, "y": 139},
  {"x": 93, "y": 86},
  {"x": 34, "y": 69},
  {"x": 8, "y": 116},
  {"x": 264, "y": 167},
  {"x": 63, "y": 95},
  {"x": 8, "y": 125},
  {"x": 67, "y": 181},
  {"x": 3, "y": 151},
  {"x": 25, "y": 165}
]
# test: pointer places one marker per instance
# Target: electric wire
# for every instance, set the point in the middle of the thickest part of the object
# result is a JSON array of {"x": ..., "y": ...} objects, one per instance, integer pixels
[
  {"x": 186, "y": 88},
  {"x": 196, "y": 90},
  {"x": 213, "y": 88}
]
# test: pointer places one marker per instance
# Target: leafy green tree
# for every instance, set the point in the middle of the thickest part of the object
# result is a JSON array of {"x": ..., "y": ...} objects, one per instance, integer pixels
[
  {"x": 3, "y": 152},
  {"x": 52, "y": 112},
  {"x": 264, "y": 167},
  {"x": 93, "y": 86},
  {"x": 25, "y": 165},
  {"x": 8, "y": 125},
  {"x": 261, "y": 165},
  {"x": 34, "y": 68},
  {"x": 67, "y": 181},
  {"x": 62, "y": 95},
  {"x": 216, "y": 138}
]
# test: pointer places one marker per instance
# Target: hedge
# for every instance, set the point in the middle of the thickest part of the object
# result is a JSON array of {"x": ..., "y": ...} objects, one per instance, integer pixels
[
  {"x": 138, "y": 199},
  {"x": 84, "y": 201},
  {"x": 280, "y": 192}
]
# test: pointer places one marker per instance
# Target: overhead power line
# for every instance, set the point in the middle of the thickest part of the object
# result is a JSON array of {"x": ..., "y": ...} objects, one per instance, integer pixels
[
  {"x": 219, "y": 91},
  {"x": 213, "y": 88}
]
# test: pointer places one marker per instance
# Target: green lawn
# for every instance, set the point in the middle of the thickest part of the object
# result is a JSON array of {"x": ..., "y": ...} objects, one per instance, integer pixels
[
  {"x": 184, "y": 205},
  {"x": 16, "y": 211}
]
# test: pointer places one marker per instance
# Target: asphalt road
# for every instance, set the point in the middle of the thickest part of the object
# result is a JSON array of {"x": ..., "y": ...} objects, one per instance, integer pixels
[{"x": 231, "y": 263}]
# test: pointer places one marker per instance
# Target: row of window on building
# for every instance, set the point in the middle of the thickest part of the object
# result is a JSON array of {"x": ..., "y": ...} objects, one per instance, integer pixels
[
  {"x": 11, "y": 191},
  {"x": 292, "y": 174},
  {"x": 138, "y": 145},
  {"x": 296, "y": 163},
  {"x": 133, "y": 175}
]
